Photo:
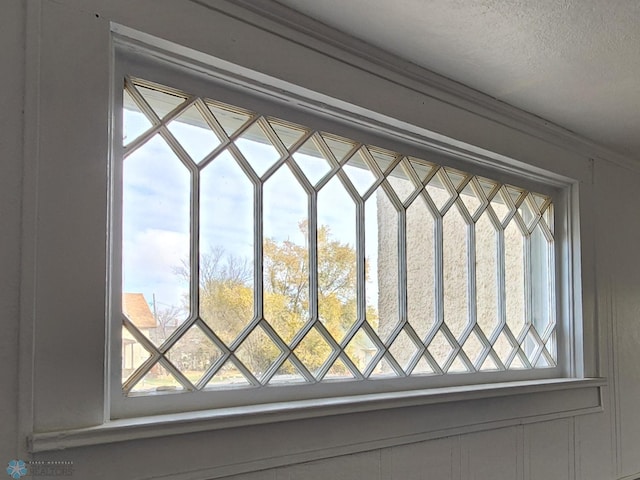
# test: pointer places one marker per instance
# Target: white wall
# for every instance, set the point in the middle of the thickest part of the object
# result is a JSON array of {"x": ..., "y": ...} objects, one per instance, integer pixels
[
  {"x": 597, "y": 446},
  {"x": 619, "y": 278},
  {"x": 11, "y": 104}
]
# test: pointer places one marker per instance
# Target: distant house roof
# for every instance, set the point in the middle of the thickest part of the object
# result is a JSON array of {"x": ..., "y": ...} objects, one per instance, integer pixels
[{"x": 137, "y": 309}]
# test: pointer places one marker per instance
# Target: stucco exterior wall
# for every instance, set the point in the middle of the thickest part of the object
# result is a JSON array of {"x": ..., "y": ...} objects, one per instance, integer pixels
[{"x": 456, "y": 251}]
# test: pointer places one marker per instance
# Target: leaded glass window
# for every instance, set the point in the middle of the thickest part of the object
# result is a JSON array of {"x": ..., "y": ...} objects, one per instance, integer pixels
[{"x": 256, "y": 252}]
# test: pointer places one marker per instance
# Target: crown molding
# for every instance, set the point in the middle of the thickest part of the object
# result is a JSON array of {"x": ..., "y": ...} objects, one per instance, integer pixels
[{"x": 280, "y": 20}]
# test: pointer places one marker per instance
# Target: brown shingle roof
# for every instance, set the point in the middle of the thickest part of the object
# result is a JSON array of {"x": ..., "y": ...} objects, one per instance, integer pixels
[{"x": 137, "y": 309}]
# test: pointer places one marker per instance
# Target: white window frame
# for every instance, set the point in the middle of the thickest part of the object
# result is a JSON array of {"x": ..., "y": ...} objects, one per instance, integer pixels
[
  {"x": 229, "y": 84},
  {"x": 391, "y": 417}
]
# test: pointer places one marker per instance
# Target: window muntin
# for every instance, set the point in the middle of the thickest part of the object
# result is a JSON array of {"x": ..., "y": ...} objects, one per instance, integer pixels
[{"x": 439, "y": 271}]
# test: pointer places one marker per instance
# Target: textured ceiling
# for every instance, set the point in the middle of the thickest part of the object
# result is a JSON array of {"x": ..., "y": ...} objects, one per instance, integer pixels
[{"x": 573, "y": 62}]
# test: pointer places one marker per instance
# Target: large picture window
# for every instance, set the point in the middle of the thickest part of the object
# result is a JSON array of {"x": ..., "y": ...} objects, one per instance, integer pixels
[{"x": 258, "y": 252}]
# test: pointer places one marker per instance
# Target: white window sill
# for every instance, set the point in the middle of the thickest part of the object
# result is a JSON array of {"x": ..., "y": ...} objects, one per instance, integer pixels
[{"x": 561, "y": 398}]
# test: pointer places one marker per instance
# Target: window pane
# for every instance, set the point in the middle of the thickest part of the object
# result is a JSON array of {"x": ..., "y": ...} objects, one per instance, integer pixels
[
  {"x": 487, "y": 287},
  {"x": 286, "y": 254},
  {"x": 455, "y": 271},
  {"x": 193, "y": 354},
  {"x": 514, "y": 278},
  {"x": 135, "y": 122},
  {"x": 194, "y": 134},
  {"x": 421, "y": 278},
  {"x": 257, "y": 149},
  {"x": 226, "y": 248},
  {"x": 384, "y": 302},
  {"x": 311, "y": 162},
  {"x": 337, "y": 274},
  {"x": 155, "y": 240}
]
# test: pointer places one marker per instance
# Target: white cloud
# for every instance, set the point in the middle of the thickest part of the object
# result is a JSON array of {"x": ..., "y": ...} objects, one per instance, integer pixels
[{"x": 150, "y": 260}]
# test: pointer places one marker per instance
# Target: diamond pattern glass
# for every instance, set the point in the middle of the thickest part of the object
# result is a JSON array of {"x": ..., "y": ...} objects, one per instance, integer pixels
[
  {"x": 161, "y": 101},
  {"x": 473, "y": 347},
  {"x": 133, "y": 354},
  {"x": 258, "y": 353},
  {"x": 500, "y": 206},
  {"x": 470, "y": 199},
  {"x": 458, "y": 366},
  {"x": 230, "y": 119},
  {"x": 422, "y": 368},
  {"x": 383, "y": 369},
  {"x": 338, "y": 146},
  {"x": 401, "y": 182},
  {"x": 383, "y": 158},
  {"x": 440, "y": 194},
  {"x": 361, "y": 350},
  {"x": 359, "y": 172},
  {"x": 287, "y": 373},
  {"x": 158, "y": 379},
  {"x": 257, "y": 149},
  {"x": 516, "y": 194},
  {"x": 531, "y": 347},
  {"x": 489, "y": 364},
  {"x": 288, "y": 134},
  {"x": 488, "y": 187},
  {"x": 403, "y": 349},
  {"x": 311, "y": 162},
  {"x": 194, "y": 134},
  {"x": 421, "y": 168},
  {"x": 527, "y": 212},
  {"x": 503, "y": 348},
  {"x": 440, "y": 348},
  {"x": 259, "y": 252},
  {"x": 193, "y": 354},
  {"x": 517, "y": 364},
  {"x": 456, "y": 177},
  {"x": 228, "y": 376},
  {"x": 313, "y": 351},
  {"x": 338, "y": 371}
]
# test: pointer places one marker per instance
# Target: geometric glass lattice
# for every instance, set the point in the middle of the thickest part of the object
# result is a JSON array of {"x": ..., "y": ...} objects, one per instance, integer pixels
[{"x": 259, "y": 252}]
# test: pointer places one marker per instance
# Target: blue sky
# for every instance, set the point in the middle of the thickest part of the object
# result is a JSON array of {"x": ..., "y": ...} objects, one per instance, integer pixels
[{"x": 156, "y": 197}]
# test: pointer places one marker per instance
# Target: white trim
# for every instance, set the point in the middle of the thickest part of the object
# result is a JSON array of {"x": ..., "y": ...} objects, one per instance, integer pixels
[
  {"x": 222, "y": 418},
  {"x": 150, "y": 58},
  {"x": 31, "y": 157},
  {"x": 614, "y": 369},
  {"x": 573, "y": 461},
  {"x": 315, "y": 103},
  {"x": 112, "y": 350}
]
